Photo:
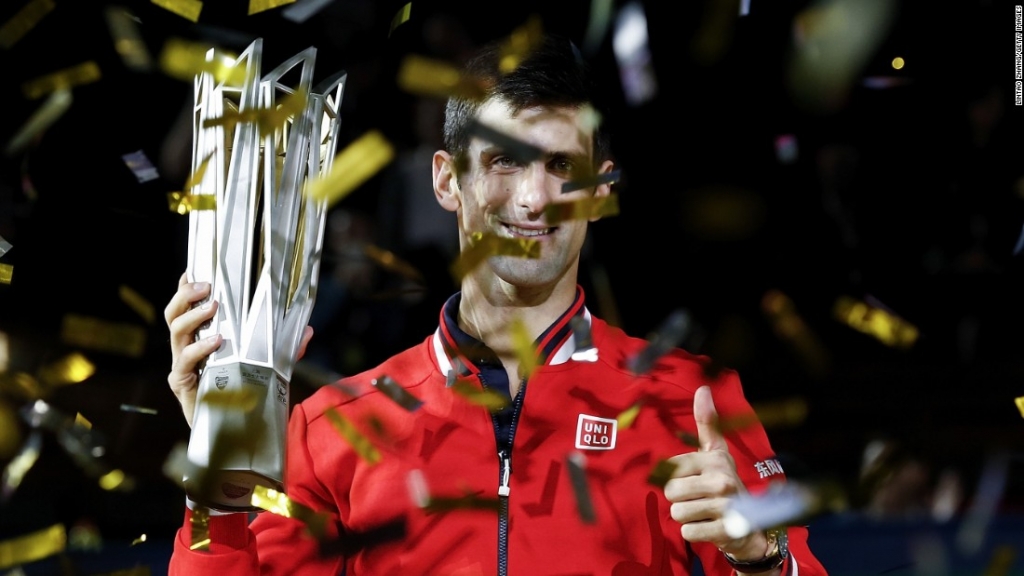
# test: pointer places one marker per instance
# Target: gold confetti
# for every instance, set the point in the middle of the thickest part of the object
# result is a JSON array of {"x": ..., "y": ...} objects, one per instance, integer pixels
[
  {"x": 888, "y": 328},
  {"x": 257, "y": 6},
  {"x": 1020, "y": 405},
  {"x": 22, "y": 385},
  {"x": 136, "y": 302},
  {"x": 185, "y": 203},
  {"x": 82, "y": 421},
  {"x": 661, "y": 473},
  {"x": 582, "y": 209},
  {"x": 103, "y": 336},
  {"x": 591, "y": 181},
  {"x": 278, "y": 503},
  {"x": 429, "y": 77},
  {"x": 139, "y": 540},
  {"x": 200, "y": 524},
  {"x": 24, "y": 21},
  {"x": 184, "y": 59},
  {"x": 5, "y": 352},
  {"x": 72, "y": 369},
  {"x": 188, "y": 9},
  {"x": 127, "y": 39},
  {"x": 34, "y": 546},
  {"x": 628, "y": 416},
  {"x": 524, "y": 348},
  {"x": 520, "y": 44},
  {"x": 21, "y": 463},
  {"x": 490, "y": 399},
  {"x": 114, "y": 480},
  {"x": 139, "y": 409},
  {"x": 362, "y": 445},
  {"x": 352, "y": 166},
  {"x": 387, "y": 260},
  {"x": 789, "y": 326},
  {"x": 195, "y": 178},
  {"x": 6, "y": 273},
  {"x": 1001, "y": 561},
  {"x": 83, "y": 73},
  {"x": 521, "y": 150},
  {"x": 484, "y": 246},
  {"x": 55, "y": 106},
  {"x": 401, "y": 17},
  {"x": 268, "y": 119},
  {"x": 244, "y": 399}
]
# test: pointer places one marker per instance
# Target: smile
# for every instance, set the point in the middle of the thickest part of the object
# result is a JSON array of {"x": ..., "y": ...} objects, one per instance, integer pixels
[{"x": 528, "y": 232}]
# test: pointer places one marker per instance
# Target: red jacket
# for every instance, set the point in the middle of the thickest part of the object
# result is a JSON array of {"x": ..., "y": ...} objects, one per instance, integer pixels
[{"x": 448, "y": 446}]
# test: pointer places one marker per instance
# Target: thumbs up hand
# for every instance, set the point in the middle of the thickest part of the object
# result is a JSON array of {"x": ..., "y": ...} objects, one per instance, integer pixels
[{"x": 702, "y": 484}]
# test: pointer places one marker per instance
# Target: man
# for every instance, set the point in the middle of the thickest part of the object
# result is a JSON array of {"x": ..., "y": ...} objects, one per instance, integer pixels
[{"x": 479, "y": 492}]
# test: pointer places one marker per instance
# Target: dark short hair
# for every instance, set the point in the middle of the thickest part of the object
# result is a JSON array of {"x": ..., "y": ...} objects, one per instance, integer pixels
[{"x": 554, "y": 73}]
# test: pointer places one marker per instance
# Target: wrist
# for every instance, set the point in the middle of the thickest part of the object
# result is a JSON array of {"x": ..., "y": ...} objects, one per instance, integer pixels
[{"x": 772, "y": 558}]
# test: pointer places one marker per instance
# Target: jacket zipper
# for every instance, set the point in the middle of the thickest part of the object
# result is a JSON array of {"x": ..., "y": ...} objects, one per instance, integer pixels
[{"x": 504, "y": 477}]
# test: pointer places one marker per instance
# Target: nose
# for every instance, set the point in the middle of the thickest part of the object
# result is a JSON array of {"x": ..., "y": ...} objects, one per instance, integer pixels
[{"x": 533, "y": 193}]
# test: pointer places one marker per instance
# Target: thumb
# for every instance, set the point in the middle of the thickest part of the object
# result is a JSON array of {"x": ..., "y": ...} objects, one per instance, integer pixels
[{"x": 709, "y": 436}]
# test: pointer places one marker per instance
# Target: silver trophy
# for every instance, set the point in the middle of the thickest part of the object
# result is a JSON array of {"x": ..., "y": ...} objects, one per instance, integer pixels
[{"x": 256, "y": 142}]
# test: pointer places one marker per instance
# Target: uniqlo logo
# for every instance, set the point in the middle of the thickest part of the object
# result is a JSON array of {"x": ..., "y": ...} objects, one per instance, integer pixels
[{"x": 593, "y": 433}]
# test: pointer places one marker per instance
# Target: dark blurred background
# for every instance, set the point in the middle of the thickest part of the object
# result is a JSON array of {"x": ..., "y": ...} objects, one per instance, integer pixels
[{"x": 776, "y": 161}]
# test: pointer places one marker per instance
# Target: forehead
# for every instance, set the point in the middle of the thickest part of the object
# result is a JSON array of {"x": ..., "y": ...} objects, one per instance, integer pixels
[{"x": 552, "y": 128}]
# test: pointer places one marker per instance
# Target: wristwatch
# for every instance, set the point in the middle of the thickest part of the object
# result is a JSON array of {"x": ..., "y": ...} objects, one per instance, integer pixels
[{"x": 778, "y": 549}]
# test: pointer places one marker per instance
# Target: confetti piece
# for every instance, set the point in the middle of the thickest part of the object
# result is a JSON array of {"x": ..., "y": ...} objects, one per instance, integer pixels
[
  {"x": 303, "y": 9},
  {"x": 56, "y": 104},
  {"x": 84, "y": 537},
  {"x": 71, "y": 369},
  {"x": 484, "y": 246},
  {"x": 576, "y": 464},
  {"x": 4, "y": 246},
  {"x": 661, "y": 473},
  {"x": 268, "y": 119},
  {"x": 597, "y": 25},
  {"x": 352, "y": 166},
  {"x": 18, "y": 466},
  {"x": 6, "y": 273},
  {"x": 401, "y": 17},
  {"x": 396, "y": 393},
  {"x": 127, "y": 39},
  {"x": 34, "y": 546},
  {"x": 103, "y": 336},
  {"x": 630, "y": 45},
  {"x": 138, "y": 409},
  {"x": 1001, "y": 561},
  {"x": 387, "y": 260},
  {"x": 141, "y": 166},
  {"x": 352, "y": 542},
  {"x": 786, "y": 148},
  {"x": 176, "y": 465},
  {"x": 523, "y": 346},
  {"x": 244, "y": 399},
  {"x": 669, "y": 335},
  {"x": 136, "y": 302},
  {"x": 1020, "y": 405},
  {"x": 417, "y": 485},
  {"x": 114, "y": 480},
  {"x": 592, "y": 181},
  {"x": 278, "y": 503},
  {"x": 185, "y": 203},
  {"x": 782, "y": 503},
  {"x": 523, "y": 152},
  {"x": 184, "y": 59},
  {"x": 790, "y": 327},
  {"x": 582, "y": 209},
  {"x": 22, "y": 385},
  {"x": 585, "y": 350},
  {"x": 24, "y": 21},
  {"x": 188, "y": 9},
  {"x": 257, "y": 6},
  {"x": 429, "y": 77},
  {"x": 466, "y": 502},
  {"x": 362, "y": 445},
  {"x": 138, "y": 540},
  {"x": 626, "y": 418},
  {"x": 991, "y": 485},
  {"x": 200, "y": 525},
  {"x": 885, "y": 326},
  {"x": 490, "y": 399},
  {"x": 10, "y": 434},
  {"x": 520, "y": 44},
  {"x": 82, "y": 421},
  {"x": 83, "y": 73}
]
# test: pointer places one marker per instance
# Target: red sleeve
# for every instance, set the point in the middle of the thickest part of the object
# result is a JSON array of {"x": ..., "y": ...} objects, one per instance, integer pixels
[
  {"x": 271, "y": 544},
  {"x": 757, "y": 466}
]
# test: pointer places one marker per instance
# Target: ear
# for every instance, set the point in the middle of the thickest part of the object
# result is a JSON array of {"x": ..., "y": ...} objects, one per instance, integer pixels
[
  {"x": 446, "y": 184},
  {"x": 603, "y": 190}
]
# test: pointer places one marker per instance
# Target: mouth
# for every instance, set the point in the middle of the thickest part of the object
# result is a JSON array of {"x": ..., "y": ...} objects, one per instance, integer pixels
[{"x": 532, "y": 232}]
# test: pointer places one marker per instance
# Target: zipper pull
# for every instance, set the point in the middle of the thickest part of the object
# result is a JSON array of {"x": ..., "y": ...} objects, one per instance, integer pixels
[{"x": 506, "y": 472}]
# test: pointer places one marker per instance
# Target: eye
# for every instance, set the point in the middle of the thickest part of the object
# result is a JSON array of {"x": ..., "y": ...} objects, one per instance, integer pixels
[
  {"x": 562, "y": 166},
  {"x": 505, "y": 162}
]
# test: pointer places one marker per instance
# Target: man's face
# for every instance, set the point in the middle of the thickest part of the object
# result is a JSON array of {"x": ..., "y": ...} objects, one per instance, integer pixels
[{"x": 498, "y": 194}]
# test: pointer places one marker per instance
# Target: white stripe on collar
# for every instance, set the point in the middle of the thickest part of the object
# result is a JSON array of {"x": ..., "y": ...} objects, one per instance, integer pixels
[{"x": 562, "y": 355}]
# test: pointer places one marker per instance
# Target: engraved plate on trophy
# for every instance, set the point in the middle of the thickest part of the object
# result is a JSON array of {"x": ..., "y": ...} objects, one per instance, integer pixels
[{"x": 257, "y": 140}]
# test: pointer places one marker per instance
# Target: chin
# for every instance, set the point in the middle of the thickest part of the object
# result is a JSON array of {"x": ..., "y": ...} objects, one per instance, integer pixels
[{"x": 526, "y": 273}]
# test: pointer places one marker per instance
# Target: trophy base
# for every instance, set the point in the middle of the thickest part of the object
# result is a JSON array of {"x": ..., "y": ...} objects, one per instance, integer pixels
[{"x": 229, "y": 490}]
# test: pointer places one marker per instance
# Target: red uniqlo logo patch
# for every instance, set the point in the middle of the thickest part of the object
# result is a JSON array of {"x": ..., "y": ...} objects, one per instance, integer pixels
[{"x": 593, "y": 433}]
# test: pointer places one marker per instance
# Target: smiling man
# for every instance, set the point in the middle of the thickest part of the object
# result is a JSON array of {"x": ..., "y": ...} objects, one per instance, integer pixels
[{"x": 553, "y": 482}]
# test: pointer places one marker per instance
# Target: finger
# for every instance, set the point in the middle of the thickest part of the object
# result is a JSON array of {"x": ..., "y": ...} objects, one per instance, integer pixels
[
  {"x": 706, "y": 510},
  {"x": 184, "y": 376},
  {"x": 187, "y": 294},
  {"x": 706, "y": 531},
  {"x": 307, "y": 335},
  {"x": 709, "y": 435},
  {"x": 712, "y": 484},
  {"x": 184, "y": 327}
]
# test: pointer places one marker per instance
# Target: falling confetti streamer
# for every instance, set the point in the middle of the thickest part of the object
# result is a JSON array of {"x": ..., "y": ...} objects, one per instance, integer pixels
[
  {"x": 593, "y": 181},
  {"x": 84, "y": 73},
  {"x": 278, "y": 503},
  {"x": 200, "y": 525},
  {"x": 136, "y": 302},
  {"x": 626, "y": 418},
  {"x": 434, "y": 78},
  {"x": 520, "y": 43},
  {"x": 397, "y": 393},
  {"x": 141, "y": 166},
  {"x": 523, "y": 152},
  {"x": 883, "y": 325},
  {"x": 128, "y": 42},
  {"x": 185, "y": 203},
  {"x": 188, "y": 9},
  {"x": 22, "y": 462},
  {"x": 33, "y": 546},
  {"x": 24, "y": 21},
  {"x": 138, "y": 409},
  {"x": 576, "y": 464},
  {"x": 489, "y": 399},
  {"x": 524, "y": 348},
  {"x": 4, "y": 246},
  {"x": 661, "y": 473},
  {"x": 779, "y": 505},
  {"x": 484, "y": 246},
  {"x": 1020, "y": 405},
  {"x": 401, "y": 17},
  {"x": 585, "y": 350},
  {"x": 352, "y": 166},
  {"x": 302, "y": 10},
  {"x": 361, "y": 444},
  {"x": 103, "y": 336},
  {"x": 668, "y": 336},
  {"x": 6, "y": 273},
  {"x": 56, "y": 104},
  {"x": 257, "y": 6},
  {"x": 71, "y": 369},
  {"x": 636, "y": 71}
]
